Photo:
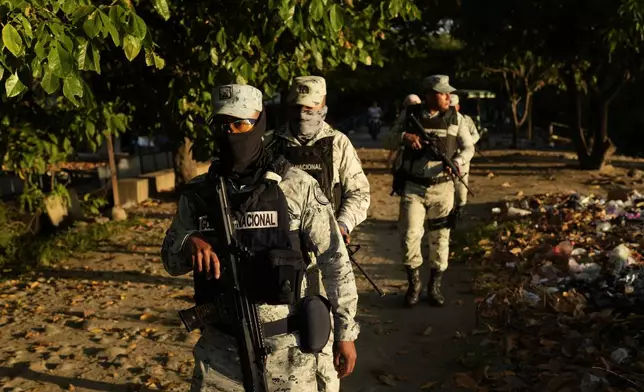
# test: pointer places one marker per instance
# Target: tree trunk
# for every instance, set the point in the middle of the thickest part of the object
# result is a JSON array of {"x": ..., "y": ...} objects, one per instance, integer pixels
[
  {"x": 185, "y": 166},
  {"x": 529, "y": 109},
  {"x": 515, "y": 122},
  {"x": 602, "y": 147}
]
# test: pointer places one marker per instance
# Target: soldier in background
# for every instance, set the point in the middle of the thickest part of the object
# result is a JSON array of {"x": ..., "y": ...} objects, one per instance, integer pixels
[
  {"x": 470, "y": 126},
  {"x": 300, "y": 214},
  {"x": 427, "y": 190},
  {"x": 393, "y": 142},
  {"x": 310, "y": 144}
]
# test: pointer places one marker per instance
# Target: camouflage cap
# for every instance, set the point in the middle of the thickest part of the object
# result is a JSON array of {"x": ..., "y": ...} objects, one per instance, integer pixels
[
  {"x": 438, "y": 83},
  {"x": 307, "y": 91},
  {"x": 453, "y": 100},
  {"x": 237, "y": 100}
]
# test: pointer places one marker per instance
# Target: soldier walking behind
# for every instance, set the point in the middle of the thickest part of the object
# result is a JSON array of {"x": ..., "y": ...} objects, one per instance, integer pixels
[{"x": 427, "y": 190}]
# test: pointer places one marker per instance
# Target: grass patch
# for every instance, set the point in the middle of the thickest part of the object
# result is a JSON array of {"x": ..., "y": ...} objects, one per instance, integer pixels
[{"x": 21, "y": 250}]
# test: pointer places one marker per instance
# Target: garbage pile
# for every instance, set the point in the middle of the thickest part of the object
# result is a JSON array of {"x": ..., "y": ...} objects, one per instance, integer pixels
[
  {"x": 580, "y": 243},
  {"x": 564, "y": 283}
]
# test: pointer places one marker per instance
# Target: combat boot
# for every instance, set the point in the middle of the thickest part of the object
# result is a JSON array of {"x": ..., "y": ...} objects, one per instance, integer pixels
[
  {"x": 434, "y": 288},
  {"x": 415, "y": 286}
]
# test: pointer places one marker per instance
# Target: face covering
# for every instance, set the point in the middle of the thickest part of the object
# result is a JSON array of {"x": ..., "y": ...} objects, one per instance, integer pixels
[
  {"x": 239, "y": 152},
  {"x": 306, "y": 124}
]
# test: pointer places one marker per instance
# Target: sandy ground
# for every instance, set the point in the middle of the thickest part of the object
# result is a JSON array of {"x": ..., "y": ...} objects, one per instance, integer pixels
[{"x": 106, "y": 320}]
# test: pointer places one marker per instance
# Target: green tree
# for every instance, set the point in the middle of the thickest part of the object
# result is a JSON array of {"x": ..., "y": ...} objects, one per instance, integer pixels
[
  {"x": 48, "y": 53},
  {"x": 265, "y": 44},
  {"x": 504, "y": 40}
]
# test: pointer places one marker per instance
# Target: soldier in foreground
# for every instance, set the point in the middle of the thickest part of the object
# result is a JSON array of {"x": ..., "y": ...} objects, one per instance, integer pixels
[
  {"x": 310, "y": 144},
  {"x": 278, "y": 210},
  {"x": 468, "y": 124},
  {"x": 426, "y": 189}
]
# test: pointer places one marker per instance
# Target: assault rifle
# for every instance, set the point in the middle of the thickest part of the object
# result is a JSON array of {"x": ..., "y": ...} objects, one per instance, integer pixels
[
  {"x": 233, "y": 308},
  {"x": 431, "y": 143},
  {"x": 353, "y": 249}
]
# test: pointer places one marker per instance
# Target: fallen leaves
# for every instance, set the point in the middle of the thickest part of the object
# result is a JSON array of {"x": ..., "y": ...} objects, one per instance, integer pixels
[{"x": 464, "y": 380}]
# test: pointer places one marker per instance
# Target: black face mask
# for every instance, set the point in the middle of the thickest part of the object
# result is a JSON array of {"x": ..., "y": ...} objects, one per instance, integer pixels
[{"x": 239, "y": 152}]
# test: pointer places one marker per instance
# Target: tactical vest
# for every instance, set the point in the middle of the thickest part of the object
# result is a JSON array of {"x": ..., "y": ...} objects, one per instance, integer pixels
[
  {"x": 261, "y": 220},
  {"x": 317, "y": 161},
  {"x": 441, "y": 124}
]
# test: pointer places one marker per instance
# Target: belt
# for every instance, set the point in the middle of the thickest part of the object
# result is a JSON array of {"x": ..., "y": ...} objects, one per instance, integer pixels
[
  {"x": 288, "y": 324},
  {"x": 424, "y": 181}
]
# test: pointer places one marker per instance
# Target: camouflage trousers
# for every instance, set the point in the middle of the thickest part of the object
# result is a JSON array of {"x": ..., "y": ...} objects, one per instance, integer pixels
[
  {"x": 416, "y": 205},
  {"x": 461, "y": 191},
  {"x": 287, "y": 368}
]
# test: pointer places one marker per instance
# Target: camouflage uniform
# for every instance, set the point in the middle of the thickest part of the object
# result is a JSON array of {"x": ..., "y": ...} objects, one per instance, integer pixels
[
  {"x": 434, "y": 202},
  {"x": 470, "y": 127},
  {"x": 310, "y": 91},
  {"x": 287, "y": 368}
]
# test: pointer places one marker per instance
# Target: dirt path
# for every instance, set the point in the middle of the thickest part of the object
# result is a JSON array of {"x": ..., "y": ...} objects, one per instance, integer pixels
[{"x": 106, "y": 320}]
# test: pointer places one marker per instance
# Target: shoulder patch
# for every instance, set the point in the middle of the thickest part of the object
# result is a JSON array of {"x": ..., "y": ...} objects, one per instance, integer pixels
[{"x": 320, "y": 196}]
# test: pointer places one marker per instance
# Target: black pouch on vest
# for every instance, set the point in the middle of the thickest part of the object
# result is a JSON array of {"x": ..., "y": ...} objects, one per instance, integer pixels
[
  {"x": 286, "y": 274},
  {"x": 314, "y": 323}
]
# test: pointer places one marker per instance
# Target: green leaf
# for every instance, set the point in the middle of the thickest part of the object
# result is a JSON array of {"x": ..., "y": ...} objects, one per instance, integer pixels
[
  {"x": 131, "y": 46},
  {"x": 319, "y": 63},
  {"x": 159, "y": 62},
  {"x": 72, "y": 88},
  {"x": 282, "y": 70},
  {"x": 26, "y": 26},
  {"x": 90, "y": 128},
  {"x": 162, "y": 8},
  {"x": 111, "y": 29},
  {"x": 138, "y": 27},
  {"x": 69, "y": 6},
  {"x": 286, "y": 11},
  {"x": 214, "y": 58},
  {"x": 81, "y": 12},
  {"x": 336, "y": 17},
  {"x": 60, "y": 60},
  {"x": 12, "y": 40},
  {"x": 14, "y": 86},
  {"x": 36, "y": 68},
  {"x": 221, "y": 39},
  {"x": 92, "y": 25},
  {"x": 39, "y": 48},
  {"x": 96, "y": 57},
  {"x": 50, "y": 82},
  {"x": 83, "y": 56},
  {"x": 316, "y": 10},
  {"x": 1, "y": 71}
]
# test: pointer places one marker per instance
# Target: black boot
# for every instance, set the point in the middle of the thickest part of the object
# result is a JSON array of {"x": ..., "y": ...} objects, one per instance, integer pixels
[
  {"x": 415, "y": 286},
  {"x": 434, "y": 289}
]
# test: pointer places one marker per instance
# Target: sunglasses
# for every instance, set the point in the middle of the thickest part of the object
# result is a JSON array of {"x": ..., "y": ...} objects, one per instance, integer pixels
[{"x": 241, "y": 125}]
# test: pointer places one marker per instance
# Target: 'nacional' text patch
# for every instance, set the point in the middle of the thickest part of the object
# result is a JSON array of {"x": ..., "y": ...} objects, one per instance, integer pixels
[{"x": 257, "y": 220}]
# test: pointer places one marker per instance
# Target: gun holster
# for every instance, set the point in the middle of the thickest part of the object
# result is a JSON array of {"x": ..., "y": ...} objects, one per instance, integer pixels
[{"x": 312, "y": 320}]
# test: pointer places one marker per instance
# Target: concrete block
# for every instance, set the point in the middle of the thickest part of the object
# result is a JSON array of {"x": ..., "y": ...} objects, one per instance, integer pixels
[
  {"x": 132, "y": 191},
  {"x": 56, "y": 209},
  {"x": 128, "y": 167},
  {"x": 160, "y": 181}
]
